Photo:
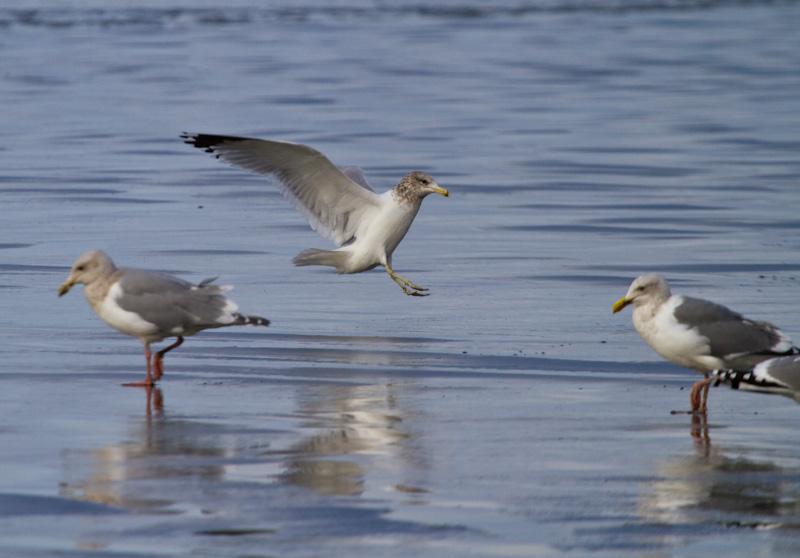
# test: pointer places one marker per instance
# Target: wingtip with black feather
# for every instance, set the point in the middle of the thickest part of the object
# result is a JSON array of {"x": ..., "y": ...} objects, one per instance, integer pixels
[
  {"x": 208, "y": 141},
  {"x": 736, "y": 378}
]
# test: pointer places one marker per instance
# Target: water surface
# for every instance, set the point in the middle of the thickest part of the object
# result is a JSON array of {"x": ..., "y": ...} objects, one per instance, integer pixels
[{"x": 509, "y": 413}]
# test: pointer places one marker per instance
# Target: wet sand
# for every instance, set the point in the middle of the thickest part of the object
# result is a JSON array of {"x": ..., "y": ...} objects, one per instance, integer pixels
[{"x": 355, "y": 449}]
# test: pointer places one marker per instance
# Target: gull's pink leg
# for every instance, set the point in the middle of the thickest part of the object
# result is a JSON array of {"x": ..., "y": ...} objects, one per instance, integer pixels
[
  {"x": 698, "y": 402},
  {"x": 158, "y": 364},
  {"x": 707, "y": 385},
  {"x": 149, "y": 380}
]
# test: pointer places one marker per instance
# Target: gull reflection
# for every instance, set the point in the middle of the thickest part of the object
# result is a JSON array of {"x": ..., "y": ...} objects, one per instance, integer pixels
[
  {"x": 355, "y": 435},
  {"x": 155, "y": 402},
  {"x": 155, "y": 448},
  {"x": 712, "y": 488},
  {"x": 355, "y": 421}
]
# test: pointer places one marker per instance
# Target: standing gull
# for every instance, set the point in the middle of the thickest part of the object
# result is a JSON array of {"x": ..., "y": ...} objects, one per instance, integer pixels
[
  {"x": 699, "y": 334},
  {"x": 152, "y": 306},
  {"x": 338, "y": 203}
]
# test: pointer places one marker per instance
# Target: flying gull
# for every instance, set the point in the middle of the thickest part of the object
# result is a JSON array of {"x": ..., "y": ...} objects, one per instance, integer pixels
[
  {"x": 699, "y": 334},
  {"x": 338, "y": 203},
  {"x": 152, "y": 306}
]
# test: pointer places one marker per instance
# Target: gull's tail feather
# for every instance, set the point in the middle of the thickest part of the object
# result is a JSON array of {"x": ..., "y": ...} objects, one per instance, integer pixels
[
  {"x": 314, "y": 256},
  {"x": 241, "y": 319}
]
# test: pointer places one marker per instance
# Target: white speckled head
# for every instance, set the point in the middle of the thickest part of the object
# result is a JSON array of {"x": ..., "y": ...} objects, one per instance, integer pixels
[{"x": 415, "y": 186}]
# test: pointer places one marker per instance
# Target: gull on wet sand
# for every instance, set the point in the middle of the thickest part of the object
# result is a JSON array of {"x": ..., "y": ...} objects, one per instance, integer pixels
[
  {"x": 152, "y": 306},
  {"x": 338, "y": 202},
  {"x": 700, "y": 334}
]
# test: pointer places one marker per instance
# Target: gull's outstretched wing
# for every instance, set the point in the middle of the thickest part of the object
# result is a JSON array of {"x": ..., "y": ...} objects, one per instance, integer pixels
[
  {"x": 329, "y": 199},
  {"x": 357, "y": 175}
]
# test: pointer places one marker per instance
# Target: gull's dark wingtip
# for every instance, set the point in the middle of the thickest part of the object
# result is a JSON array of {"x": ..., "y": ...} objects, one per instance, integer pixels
[
  {"x": 208, "y": 141},
  {"x": 255, "y": 320}
]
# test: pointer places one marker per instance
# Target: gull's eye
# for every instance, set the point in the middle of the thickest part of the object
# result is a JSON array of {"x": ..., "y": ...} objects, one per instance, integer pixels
[{"x": 80, "y": 268}]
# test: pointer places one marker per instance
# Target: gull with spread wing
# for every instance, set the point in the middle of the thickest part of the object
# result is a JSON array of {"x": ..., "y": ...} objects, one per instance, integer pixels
[{"x": 337, "y": 202}]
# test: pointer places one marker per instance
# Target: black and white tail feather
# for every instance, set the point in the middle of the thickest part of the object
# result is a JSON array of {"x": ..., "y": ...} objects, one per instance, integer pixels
[
  {"x": 241, "y": 319},
  {"x": 779, "y": 375}
]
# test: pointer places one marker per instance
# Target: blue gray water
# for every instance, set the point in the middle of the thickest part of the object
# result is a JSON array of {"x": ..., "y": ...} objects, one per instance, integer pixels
[{"x": 509, "y": 413}]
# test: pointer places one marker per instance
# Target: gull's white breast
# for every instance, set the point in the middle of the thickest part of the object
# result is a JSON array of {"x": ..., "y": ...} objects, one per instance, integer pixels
[
  {"x": 122, "y": 320},
  {"x": 673, "y": 340},
  {"x": 379, "y": 234}
]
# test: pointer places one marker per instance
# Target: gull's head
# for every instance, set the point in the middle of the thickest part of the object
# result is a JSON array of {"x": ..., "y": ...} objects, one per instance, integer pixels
[
  {"x": 88, "y": 268},
  {"x": 645, "y": 289},
  {"x": 416, "y": 185}
]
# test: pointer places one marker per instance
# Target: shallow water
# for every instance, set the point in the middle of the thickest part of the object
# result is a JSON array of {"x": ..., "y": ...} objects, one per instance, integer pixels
[{"x": 509, "y": 413}]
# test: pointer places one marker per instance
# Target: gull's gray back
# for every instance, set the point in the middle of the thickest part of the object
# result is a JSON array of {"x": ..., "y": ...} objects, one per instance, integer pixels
[
  {"x": 170, "y": 302},
  {"x": 729, "y": 333}
]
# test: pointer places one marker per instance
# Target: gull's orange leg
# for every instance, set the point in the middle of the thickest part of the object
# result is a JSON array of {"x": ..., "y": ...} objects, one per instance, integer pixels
[
  {"x": 148, "y": 381},
  {"x": 158, "y": 359},
  {"x": 699, "y": 402}
]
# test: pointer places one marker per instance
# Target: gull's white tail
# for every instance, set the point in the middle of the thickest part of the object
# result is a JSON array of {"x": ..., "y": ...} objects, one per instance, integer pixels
[{"x": 315, "y": 256}]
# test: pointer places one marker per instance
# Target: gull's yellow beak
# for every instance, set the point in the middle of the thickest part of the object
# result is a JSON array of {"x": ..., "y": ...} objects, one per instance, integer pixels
[
  {"x": 442, "y": 191},
  {"x": 64, "y": 289},
  {"x": 620, "y": 304}
]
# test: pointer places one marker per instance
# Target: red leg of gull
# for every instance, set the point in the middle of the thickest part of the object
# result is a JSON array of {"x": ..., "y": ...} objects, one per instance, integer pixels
[
  {"x": 698, "y": 404},
  {"x": 158, "y": 364},
  {"x": 697, "y": 401},
  {"x": 148, "y": 381}
]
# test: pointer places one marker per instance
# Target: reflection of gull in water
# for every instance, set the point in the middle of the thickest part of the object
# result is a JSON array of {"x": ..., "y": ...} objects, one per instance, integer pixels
[
  {"x": 356, "y": 421},
  {"x": 778, "y": 375},
  {"x": 160, "y": 450},
  {"x": 711, "y": 488},
  {"x": 354, "y": 438},
  {"x": 719, "y": 488},
  {"x": 699, "y": 334}
]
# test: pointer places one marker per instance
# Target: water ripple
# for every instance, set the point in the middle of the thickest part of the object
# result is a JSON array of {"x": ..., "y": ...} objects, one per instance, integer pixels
[{"x": 188, "y": 16}]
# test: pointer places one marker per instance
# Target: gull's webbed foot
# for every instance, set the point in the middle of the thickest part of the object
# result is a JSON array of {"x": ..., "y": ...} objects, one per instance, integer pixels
[
  {"x": 698, "y": 397},
  {"x": 408, "y": 287},
  {"x": 148, "y": 382}
]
